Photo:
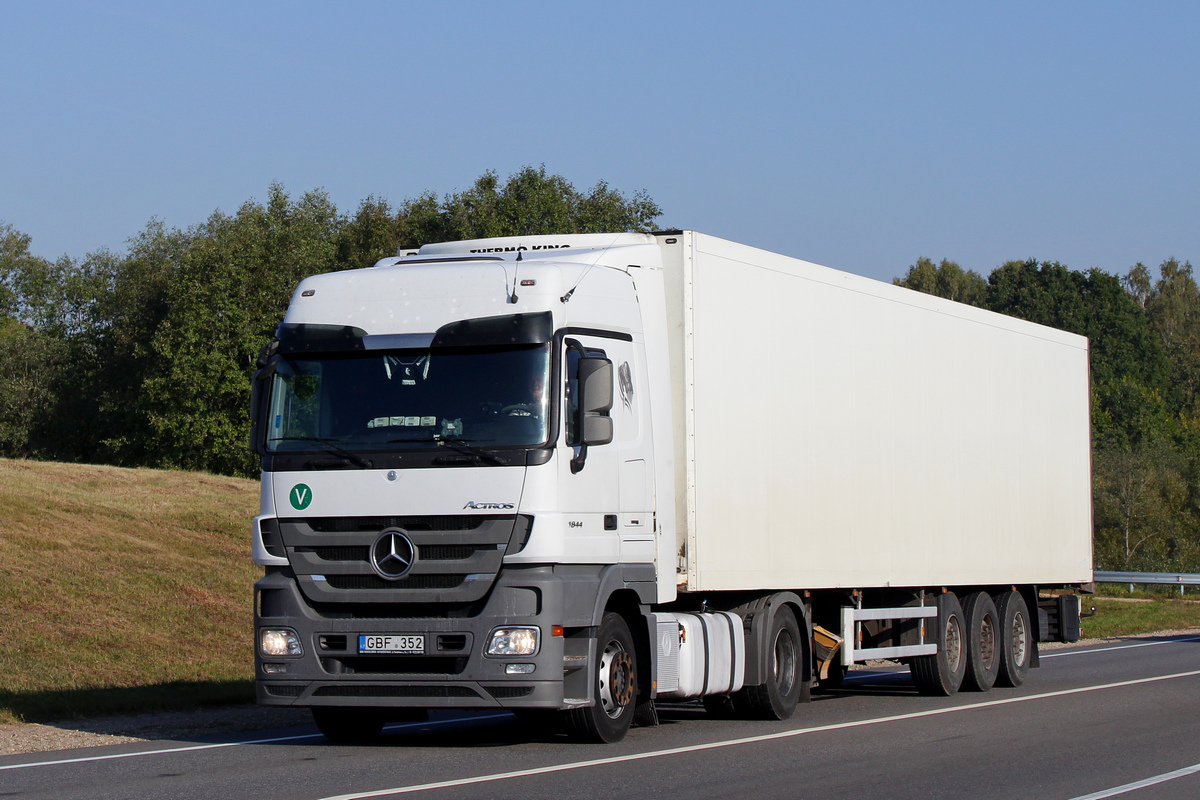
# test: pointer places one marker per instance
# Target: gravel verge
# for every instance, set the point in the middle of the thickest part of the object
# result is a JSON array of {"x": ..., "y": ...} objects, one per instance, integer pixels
[{"x": 167, "y": 725}]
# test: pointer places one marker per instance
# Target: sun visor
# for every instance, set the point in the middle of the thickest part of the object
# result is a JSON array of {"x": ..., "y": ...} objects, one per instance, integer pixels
[
  {"x": 295, "y": 338},
  {"x": 511, "y": 329}
]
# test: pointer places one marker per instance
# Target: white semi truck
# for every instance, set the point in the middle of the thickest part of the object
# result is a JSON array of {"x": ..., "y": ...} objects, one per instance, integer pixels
[{"x": 572, "y": 475}]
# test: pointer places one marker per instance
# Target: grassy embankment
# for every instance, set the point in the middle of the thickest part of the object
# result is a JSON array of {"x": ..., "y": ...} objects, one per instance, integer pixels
[
  {"x": 122, "y": 590},
  {"x": 130, "y": 590}
]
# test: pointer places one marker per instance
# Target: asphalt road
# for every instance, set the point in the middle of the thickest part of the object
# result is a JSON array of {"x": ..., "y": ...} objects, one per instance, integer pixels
[{"x": 1115, "y": 720}]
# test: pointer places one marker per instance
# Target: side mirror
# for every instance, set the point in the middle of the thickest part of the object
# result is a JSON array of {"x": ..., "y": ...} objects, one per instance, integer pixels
[
  {"x": 258, "y": 396},
  {"x": 595, "y": 400}
]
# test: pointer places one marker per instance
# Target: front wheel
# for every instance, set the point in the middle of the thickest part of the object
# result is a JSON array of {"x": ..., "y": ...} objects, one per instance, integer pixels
[{"x": 614, "y": 683}]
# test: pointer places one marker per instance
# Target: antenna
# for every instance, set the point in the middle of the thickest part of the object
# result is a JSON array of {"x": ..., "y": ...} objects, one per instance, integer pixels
[
  {"x": 512, "y": 297},
  {"x": 602, "y": 250}
]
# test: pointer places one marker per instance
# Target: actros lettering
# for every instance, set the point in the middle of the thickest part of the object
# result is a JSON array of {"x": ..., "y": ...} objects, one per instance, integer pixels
[{"x": 473, "y": 504}]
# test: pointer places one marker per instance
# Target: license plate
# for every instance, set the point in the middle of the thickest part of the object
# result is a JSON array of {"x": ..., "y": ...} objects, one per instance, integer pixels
[{"x": 391, "y": 643}]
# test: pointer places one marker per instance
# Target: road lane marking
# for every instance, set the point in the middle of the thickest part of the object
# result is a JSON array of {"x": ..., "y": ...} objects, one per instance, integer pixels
[
  {"x": 598, "y": 762},
  {"x": 1059, "y": 653},
  {"x": 1142, "y": 784},
  {"x": 218, "y": 745}
]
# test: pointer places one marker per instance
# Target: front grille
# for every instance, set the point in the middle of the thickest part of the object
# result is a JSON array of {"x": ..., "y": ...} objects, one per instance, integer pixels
[
  {"x": 346, "y": 524},
  {"x": 345, "y": 690},
  {"x": 283, "y": 689},
  {"x": 334, "y": 553},
  {"x": 509, "y": 692},
  {"x": 411, "y": 582}
]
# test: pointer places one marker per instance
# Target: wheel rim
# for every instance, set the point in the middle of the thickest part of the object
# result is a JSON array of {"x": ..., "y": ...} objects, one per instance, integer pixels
[
  {"x": 616, "y": 679},
  {"x": 1020, "y": 640},
  {"x": 987, "y": 642},
  {"x": 953, "y": 644},
  {"x": 784, "y": 665}
]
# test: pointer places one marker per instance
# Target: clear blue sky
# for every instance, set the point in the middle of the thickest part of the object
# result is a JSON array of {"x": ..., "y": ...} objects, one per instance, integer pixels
[{"x": 857, "y": 135}]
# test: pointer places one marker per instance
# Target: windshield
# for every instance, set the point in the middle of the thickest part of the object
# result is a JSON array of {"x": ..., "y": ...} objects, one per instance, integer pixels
[{"x": 397, "y": 399}]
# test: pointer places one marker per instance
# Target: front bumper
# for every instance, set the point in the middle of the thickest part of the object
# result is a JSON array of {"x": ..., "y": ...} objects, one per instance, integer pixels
[{"x": 453, "y": 671}]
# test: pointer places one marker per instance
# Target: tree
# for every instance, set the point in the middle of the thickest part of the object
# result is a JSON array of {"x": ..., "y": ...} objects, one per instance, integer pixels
[
  {"x": 1093, "y": 304},
  {"x": 28, "y": 359},
  {"x": 228, "y": 292},
  {"x": 947, "y": 280},
  {"x": 1173, "y": 308},
  {"x": 145, "y": 358}
]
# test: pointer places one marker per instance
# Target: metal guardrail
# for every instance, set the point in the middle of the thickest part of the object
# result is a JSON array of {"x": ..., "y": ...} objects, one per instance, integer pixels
[{"x": 1181, "y": 578}]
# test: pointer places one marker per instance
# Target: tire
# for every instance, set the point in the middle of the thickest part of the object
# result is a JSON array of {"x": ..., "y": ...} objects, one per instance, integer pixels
[
  {"x": 777, "y": 698},
  {"x": 348, "y": 725},
  {"x": 614, "y": 683},
  {"x": 983, "y": 642},
  {"x": 941, "y": 674},
  {"x": 1016, "y": 639}
]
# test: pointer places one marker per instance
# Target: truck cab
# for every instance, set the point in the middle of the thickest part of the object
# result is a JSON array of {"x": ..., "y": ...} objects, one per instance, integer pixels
[{"x": 458, "y": 481}]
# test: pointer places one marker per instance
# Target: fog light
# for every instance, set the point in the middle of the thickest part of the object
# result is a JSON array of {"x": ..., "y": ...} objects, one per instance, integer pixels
[
  {"x": 513, "y": 642},
  {"x": 274, "y": 669},
  {"x": 274, "y": 642},
  {"x": 518, "y": 669}
]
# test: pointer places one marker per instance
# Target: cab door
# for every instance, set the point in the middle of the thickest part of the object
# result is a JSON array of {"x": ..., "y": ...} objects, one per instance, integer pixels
[{"x": 608, "y": 486}]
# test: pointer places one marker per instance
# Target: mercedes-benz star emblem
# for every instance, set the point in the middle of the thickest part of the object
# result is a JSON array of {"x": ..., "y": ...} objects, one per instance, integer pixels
[{"x": 393, "y": 555}]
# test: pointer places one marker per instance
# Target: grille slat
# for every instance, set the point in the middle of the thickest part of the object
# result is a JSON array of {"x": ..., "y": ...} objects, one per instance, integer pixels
[
  {"x": 375, "y": 582},
  {"x": 509, "y": 692},
  {"x": 348, "y": 524},
  {"x": 394, "y": 691}
]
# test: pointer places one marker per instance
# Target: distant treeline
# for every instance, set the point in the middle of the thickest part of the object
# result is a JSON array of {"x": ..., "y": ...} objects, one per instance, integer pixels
[
  {"x": 1145, "y": 354},
  {"x": 144, "y": 358}
]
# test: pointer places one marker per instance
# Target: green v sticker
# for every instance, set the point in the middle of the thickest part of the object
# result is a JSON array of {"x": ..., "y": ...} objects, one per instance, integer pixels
[{"x": 300, "y": 496}]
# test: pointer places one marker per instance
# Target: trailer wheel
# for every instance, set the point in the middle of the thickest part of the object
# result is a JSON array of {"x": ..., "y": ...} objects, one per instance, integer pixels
[
  {"x": 348, "y": 725},
  {"x": 777, "y": 698},
  {"x": 614, "y": 681},
  {"x": 1016, "y": 639},
  {"x": 942, "y": 673},
  {"x": 983, "y": 642}
]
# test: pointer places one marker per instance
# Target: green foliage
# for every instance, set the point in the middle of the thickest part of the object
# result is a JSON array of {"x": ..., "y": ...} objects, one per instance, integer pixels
[
  {"x": 28, "y": 358},
  {"x": 1093, "y": 304},
  {"x": 145, "y": 358},
  {"x": 947, "y": 280}
]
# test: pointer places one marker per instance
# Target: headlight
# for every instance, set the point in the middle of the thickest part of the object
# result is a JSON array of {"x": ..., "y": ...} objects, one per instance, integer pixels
[
  {"x": 275, "y": 642},
  {"x": 513, "y": 642}
]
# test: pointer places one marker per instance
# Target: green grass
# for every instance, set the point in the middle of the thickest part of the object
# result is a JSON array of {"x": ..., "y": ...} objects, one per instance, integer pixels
[
  {"x": 122, "y": 590},
  {"x": 1146, "y": 610}
]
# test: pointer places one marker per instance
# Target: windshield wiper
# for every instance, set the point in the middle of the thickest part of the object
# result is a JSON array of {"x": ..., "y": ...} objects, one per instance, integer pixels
[
  {"x": 457, "y": 444},
  {"x": 333, "y": 448}
]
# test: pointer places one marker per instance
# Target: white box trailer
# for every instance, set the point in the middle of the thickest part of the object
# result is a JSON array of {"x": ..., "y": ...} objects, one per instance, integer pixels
[
  {"x": 839, "y": 432},
  {"x": 554, "y": 473}
]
